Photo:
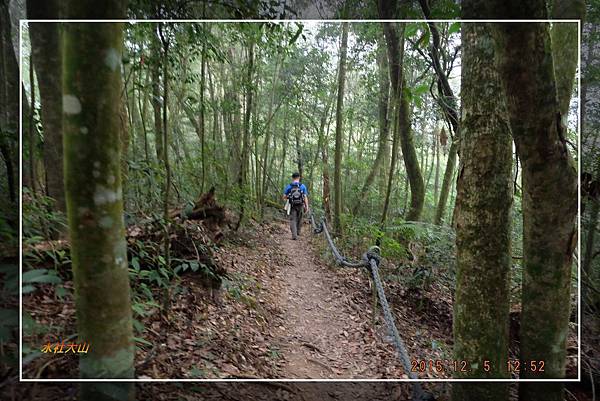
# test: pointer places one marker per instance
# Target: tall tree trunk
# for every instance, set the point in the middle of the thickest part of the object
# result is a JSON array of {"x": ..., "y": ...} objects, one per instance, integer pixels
[
  {"x": 31, "y": 134},
  {"x": 588, "y": 255},
  {"x": 339, "y": 130},
  {"x": 165, "y": 143},
  {"x": 429, "y": 171},
  {"x": 384, "y": 127},
  {"x": 549, "y": 190},
  {"x": 201, "y": 117},
  {"x": 91, "y": 98},
  {"x": 385, "y": 163},
  {"x": 299, "y": 159},
  {"x": 244, "y": 155},
  {"x": 142, "y": 107},
  {"x": 390, "y": 177},
  {"x": 9, "y": 102},
  {"x": 448, "y": 103},
  {"x": 266, "y": 144},
  {"x": 413, "y": 171},
  {"x": 446, "y": 183},
  {"x": 565, "y": 49},
  {"x": 483, "y": 205},
  {"x": 436, "y": 182},
  {"x": 589, "y": 154},
  {"x": 156, "y": 103}
]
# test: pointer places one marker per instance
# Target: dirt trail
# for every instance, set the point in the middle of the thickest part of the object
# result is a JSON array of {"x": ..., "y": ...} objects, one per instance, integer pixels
[{"x": 325, "y": 331}]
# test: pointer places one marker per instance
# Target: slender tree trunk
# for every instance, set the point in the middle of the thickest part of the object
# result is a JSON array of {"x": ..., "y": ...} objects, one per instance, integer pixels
[
  {"x": 299, "y": 159},
  {"x": 483, "y": 204},
  {"x": 565, "y": 49},
  {"x": 549, "y": 191},
  {"x": 448, "y": 103},
  {"x": 266, "y": 144},
  {"x": 385, "y": 164},
  {"x": 46, "y": 55},
  {"x": 446, "y": 183},
  {"x": 31, "y": 136},
  {"x": 436, "y": 183},
  {"x": 588, "y": 255},
  {"x": 429, "y": 171},
  {"x": 395, "y": 46},
  {"x": 165, "y": 143},
  {"x": 339, "y": 129},
  {"x": 394, "y": 156},
  {"x": 202, "y": 113},
  {"x": 142, "y": 103},
  {"x": 244, "y": 155},
  {"x": 156, "y": 104},
  {"x": 384, "y": 128},
  {"x": 91, "y": 98},
  {"x": 9, "y": 103}
]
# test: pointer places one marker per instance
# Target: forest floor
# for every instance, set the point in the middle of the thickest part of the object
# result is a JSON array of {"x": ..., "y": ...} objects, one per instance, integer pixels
[{"x": 283, "y": 311}]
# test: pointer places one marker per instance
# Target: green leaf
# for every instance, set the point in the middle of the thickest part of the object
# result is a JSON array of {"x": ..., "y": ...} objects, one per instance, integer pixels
[
  {"x": 421, "y": 89},
  {"x": 49, "y": 279},
  {"x": 410, "y": 30},
  {"x": 28, "y": 288},
  {"x": 61, "y": 291},
  {"x": 454, "y": 28},
  {"x": 142, "y": 341},
  {"x": 32, "y": 274},
  {"x": 138, "y": 326}
]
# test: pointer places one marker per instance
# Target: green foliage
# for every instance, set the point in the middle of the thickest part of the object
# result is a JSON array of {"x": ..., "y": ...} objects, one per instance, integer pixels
[
  {"x": 148, "y": 266},
  {"x": 40, "y": 218}
]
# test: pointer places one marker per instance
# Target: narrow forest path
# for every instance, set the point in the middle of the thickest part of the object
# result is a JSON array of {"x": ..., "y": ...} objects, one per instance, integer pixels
[{"x": 326, "y": 329}]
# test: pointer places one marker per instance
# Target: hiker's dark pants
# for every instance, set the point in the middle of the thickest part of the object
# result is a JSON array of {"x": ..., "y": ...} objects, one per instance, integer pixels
[{"x": 296, "y": 220}]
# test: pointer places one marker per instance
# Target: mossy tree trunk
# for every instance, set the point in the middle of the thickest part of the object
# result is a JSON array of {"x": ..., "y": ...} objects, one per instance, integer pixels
[
  {"x": 384, "y": 126},
  {"x": 46, "y": 55},
  {"x": 395, "y": 50},
  {"x": 339, "y": 126},
  {"x": 526, "y": 65},
  {"x": 9, "y": 103},
  {"x": 483, "y": 204},
  {"x": 446, "y": 182},
  {"x": 91, "y": 105}
]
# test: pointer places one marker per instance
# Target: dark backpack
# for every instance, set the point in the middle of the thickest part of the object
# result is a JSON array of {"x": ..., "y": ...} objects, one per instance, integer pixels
[{"x": 296, "y": 196}]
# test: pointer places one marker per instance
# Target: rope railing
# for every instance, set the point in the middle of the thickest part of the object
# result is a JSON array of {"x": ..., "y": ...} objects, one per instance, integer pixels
[{"x": 371, "y": 260}]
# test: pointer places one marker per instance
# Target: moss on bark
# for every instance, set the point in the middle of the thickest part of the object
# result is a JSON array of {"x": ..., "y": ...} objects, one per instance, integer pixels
[
  {"x": 483, "y": 204},
  {"x": 91, "y": 105},
  {"x": 46, "y": 56},
  {"x": 549, "y": 195}
]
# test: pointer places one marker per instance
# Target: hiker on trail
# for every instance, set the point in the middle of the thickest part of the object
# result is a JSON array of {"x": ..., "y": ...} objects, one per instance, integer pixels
[{"x": 296, "y": 195}]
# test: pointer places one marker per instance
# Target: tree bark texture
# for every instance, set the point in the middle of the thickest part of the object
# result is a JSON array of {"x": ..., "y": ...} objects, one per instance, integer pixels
[
  {"x": 91, "y": 99},
  {"x": 526, "y": 66},
  {"x": 483, "y": 206},
  {"x": 339, "y": 130}
]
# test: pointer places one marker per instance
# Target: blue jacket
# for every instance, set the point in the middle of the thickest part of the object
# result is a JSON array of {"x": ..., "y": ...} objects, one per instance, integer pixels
[{"x": 289, "y": 186}]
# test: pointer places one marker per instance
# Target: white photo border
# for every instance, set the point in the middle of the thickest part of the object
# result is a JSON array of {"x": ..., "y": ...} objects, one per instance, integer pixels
[{"x": 23, "y": 22}]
